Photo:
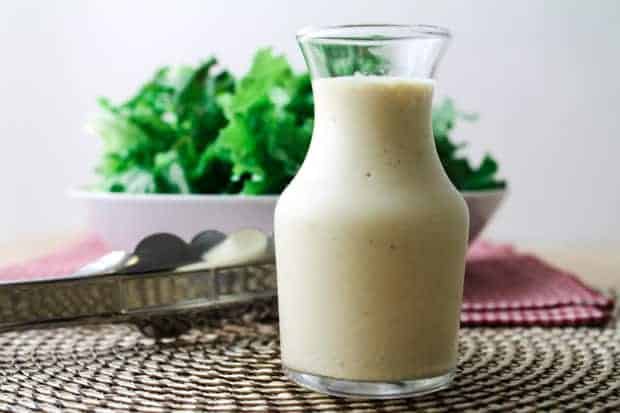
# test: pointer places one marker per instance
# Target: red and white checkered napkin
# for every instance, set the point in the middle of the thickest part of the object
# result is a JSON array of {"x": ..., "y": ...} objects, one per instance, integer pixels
[
  {"x": 57, "y": 264},
  {"x": 502, "y": 287}
]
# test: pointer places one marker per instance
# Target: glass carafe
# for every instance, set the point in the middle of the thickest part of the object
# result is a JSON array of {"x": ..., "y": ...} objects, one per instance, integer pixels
[{"x": 371, "y": 235}]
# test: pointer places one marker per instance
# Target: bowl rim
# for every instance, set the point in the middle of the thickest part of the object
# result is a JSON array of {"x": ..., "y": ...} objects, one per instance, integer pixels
[
  {"x": 482, "y": 193},
  {"x": 86, "y": 194}
]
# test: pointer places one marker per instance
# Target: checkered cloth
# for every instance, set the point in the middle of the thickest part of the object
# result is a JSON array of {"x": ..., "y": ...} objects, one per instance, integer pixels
[{"x": 502, "y": 286}]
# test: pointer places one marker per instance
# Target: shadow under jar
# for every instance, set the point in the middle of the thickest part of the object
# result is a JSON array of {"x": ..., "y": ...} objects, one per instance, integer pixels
[{"x": 371, "y": 235}]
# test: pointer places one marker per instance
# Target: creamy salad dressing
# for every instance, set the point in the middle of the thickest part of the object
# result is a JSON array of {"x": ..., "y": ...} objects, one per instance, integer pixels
[{"x": 370, "y": 239}]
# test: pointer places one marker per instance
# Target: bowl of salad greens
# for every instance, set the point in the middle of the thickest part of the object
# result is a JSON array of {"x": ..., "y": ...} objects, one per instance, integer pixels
[{"x": 196, "y": 148}]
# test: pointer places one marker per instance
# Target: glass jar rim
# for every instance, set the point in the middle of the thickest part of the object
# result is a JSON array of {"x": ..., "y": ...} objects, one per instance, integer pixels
[{"x": 372, "y": 32}]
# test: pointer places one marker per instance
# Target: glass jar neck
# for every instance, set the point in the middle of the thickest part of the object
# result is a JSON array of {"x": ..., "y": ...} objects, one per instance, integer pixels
[
  {"x": 372, "y": 125},
  {"x": 380, "y": 50}
]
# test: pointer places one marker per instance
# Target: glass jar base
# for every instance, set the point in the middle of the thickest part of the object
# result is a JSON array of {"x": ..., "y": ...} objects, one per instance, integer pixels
[{"x": 370, "y": 389}]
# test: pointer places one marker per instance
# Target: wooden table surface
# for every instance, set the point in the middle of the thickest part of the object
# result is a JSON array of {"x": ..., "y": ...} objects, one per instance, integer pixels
[{"x": 597, "y": 265}]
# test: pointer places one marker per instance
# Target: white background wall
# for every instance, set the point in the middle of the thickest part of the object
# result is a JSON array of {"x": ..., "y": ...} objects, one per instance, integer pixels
[{"x": 544, "y": 75}]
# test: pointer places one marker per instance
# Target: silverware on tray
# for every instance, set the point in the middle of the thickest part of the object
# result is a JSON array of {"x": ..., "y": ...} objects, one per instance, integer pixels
[{"x": 153, "y": 287}]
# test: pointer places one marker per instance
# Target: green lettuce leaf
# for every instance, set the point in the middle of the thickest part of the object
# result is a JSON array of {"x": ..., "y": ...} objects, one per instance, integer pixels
[
  {"x": 459, "y": 169},
  {"x": 198, "y": 130},
  {"x": 268, "y": 132},
  {"x": 162, "y": 131}
]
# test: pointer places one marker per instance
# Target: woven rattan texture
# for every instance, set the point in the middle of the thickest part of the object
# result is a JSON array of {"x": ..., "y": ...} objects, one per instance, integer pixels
[{"x": 231, "y": 363}]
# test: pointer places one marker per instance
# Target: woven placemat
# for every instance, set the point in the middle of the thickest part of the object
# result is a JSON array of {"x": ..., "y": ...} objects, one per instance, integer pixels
[{"x": 231, "y": 363}]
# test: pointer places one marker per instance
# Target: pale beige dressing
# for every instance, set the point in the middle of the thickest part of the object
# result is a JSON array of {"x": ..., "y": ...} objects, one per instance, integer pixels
[{"x": 371, "y": 239}]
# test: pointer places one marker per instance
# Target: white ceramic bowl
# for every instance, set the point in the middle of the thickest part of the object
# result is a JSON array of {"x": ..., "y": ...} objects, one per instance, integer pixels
[
  {"x": 482, "y": 206},
  {"x": 124, "y": 219}
]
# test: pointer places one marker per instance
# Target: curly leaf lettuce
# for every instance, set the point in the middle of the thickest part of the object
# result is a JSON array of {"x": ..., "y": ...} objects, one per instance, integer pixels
[
  {"x": 459, "y": 169},
  {"x": 152, "y": 141},
  {"x": 198, "y": 130},
  {"x": 269, "y": 130}
]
